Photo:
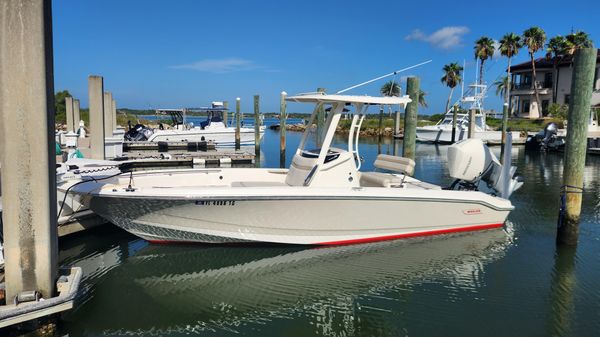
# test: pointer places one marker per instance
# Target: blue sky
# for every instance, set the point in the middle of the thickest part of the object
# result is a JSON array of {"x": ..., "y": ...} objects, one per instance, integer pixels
[{"x": 188, "y": 53}]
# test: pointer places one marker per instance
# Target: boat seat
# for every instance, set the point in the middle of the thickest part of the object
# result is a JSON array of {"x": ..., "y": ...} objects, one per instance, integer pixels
[
  {"x": 379, "y": 179},
  {"x": 421, "y": 185},
  {"x": 396, "y": 164}
]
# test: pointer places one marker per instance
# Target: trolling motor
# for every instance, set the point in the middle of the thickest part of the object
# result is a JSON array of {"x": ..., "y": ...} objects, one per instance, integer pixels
[{"x": 470, "y": 162}]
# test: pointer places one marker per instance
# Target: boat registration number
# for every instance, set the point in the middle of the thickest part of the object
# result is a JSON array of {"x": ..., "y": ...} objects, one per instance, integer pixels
[{"x": 215, "y": 202}]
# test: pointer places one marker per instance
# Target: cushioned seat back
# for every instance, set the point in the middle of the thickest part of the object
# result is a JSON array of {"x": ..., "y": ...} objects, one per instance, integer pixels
[{"x": 395, "y": 163}]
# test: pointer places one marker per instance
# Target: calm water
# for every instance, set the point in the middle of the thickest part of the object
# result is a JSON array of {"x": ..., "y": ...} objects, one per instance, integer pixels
[{"x": 506, "y": 282}]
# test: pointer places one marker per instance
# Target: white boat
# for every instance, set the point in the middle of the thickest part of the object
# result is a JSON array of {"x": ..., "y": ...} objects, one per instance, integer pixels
[
  {"x": 442, "y": 131},
  {"x": 214, "y": 128},
  {"x": 322, "y": 198}
]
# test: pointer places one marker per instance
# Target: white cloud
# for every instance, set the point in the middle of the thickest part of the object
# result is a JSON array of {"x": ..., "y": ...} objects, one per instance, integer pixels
[
  {"x": 220, "y": 66},
  {"x": 444, "y": 38}
]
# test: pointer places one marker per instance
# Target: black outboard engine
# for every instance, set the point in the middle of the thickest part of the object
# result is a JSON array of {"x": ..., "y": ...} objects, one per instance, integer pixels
[
  {"x": 138, "y": 133},
  {"x": 550, "y": 140}
]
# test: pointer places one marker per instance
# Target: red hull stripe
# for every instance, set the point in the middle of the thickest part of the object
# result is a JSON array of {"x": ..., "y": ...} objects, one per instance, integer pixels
[
  {"x": 372, "y": 239},
  {"x": 410, "y": 235}
]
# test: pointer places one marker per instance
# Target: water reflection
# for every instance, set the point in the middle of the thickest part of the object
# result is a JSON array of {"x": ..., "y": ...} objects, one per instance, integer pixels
[
  {"x": 186, "y": 289},
  {"x": 564, "y": 283}
]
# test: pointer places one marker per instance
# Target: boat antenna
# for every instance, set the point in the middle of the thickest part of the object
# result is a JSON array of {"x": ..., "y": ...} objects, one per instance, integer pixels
[{"x": 384, "y": 76}]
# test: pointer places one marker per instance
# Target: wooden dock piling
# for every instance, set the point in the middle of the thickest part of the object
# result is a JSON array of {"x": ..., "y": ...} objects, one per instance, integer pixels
[
  {"x": 410, "y": 118},
  {"x": 454, "y": 118},
  {"x": 471, "y": 132},
  {"x": 27, "y": 148},
  {"x": 76, "y": 114},
  {"x": 114, "y": 113},
  {"x": 237, "y": 123},
  {"x": 575, "y": 148},
  {"x": 320, "y": 122},
  {"x": 257, "y": 129},
  {"x": 282, "y": 126},
  {"x": 225, "y": 114},
  {"x": 96, "y": 106}
]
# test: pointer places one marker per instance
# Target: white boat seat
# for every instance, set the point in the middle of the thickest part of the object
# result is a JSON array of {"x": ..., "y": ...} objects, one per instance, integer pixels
[
  {"x": 379, "y": 179},
  {"x": 394, "y": 163}
]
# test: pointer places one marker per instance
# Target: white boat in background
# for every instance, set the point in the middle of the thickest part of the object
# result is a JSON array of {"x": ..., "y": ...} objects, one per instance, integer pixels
[
  {"x": 215, "y": 128},
  {"x": 323, "y": 198},
  {"x": 442, "y": 131}
]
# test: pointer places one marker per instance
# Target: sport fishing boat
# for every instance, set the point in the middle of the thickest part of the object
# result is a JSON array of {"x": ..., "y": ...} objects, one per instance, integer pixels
[
  {"x": 441, "y": 133},
  {"x": 215, "y": 128},
  {"x": 323, "y": 198}
]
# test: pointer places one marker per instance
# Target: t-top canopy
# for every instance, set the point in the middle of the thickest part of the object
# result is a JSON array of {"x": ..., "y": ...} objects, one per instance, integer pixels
[{"x": 371, "y": 100}]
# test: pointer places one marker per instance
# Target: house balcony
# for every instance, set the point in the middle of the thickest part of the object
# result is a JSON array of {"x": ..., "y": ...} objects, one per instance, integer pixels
[{"x": 527, "y": 88}]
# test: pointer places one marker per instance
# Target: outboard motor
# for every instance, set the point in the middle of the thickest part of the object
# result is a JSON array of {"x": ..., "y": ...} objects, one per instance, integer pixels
[
  {"x": 470, "y": 162},
  {"x": 550, "y": 139}
]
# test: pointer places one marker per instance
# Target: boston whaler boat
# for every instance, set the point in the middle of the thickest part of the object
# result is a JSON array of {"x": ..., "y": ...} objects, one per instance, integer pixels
[{"x": 322, "y": 199}]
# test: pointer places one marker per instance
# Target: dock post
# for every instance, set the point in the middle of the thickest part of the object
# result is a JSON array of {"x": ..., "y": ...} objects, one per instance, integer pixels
[
  {"x": 114, "y": 113},
  {"x": 410, "y": 118},
  {"x": 225, "y": 114},
  {"x": 454, "y": 118},
  {"x": 575, "y": 148},
  {"x": 237, "y": 123},
  {"x": 471, "y": 133},
  {"x": 504, "y": 122},
  {"x": 397, "y": 123},
  {"x": 28, "y": 149},
  {"x": 69, "y": 113},
  {"x": 96, "y": 106},
  {"x": 257, "y": 130},
  {"x": 108, "y": 115},
  {"x": 380, "y": 122},
  {"x": 76, "y": 114},
  {"x": 320, "y": 122},
  {"x": 282, "y": 123}
]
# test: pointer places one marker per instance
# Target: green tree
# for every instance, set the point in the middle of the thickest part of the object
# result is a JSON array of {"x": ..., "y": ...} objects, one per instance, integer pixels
[
  {"x": 502, "y": 86},
  {"x": 509, "y": 46},
  {"x": 60, "y": 106},
  {"x": 452, "y": 78},
  {"x": 390, "y": 88},
  {"x": 578, "y": 40},
  {"x": 556, "y": 49},
  {"x": 534, "y": 38},
  {"x": 484, "y": 49}
]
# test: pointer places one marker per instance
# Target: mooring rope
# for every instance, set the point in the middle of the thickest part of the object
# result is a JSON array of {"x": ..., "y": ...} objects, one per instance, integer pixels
[{"x": 564, "y": 190}]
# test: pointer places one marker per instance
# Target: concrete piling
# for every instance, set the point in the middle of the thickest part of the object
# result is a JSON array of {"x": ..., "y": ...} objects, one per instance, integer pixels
[
  {"x": 76, "y": 114},
  {"x": 410, "y": 118},
  {"x": 237, "y": 123},
  {"x": 575, "y": 148},
  {"x": 69, "y": 113},
  {"x": 454, "y": 118},
  {"x": 114, "y": 113},
  {"x": 108, "y": 115},
  {"x": 282, "y": 126},
  {"x": 96, "y": 106},
  {"x": 27, "y": 147},
  {"x": 257, "y": 129}
]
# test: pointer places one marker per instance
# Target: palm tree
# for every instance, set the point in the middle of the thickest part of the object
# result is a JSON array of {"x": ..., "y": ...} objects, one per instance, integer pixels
[
  {"x": 390, "y": 88},
  {"x": 484, "y": 49},
  {"x": 534, "y": 38},
  {"x": 509, "y": 46},
  {"x": 501, "y": 86},
  {"x": 556, "y": 49},
  {"x": 422, "y": 101},
  {"x": 578, "y": 40},
  {"x": 451, "y": 78}
]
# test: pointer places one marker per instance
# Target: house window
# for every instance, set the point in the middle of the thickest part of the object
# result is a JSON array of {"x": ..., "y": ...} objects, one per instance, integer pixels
[
  {"x": 548, "y": 80},
  {"x": 525, "y": 106},
  {"x": 526, "y": 81},
  {"x": 567, "y": 99},
  {"x": 545, "y": 107}
]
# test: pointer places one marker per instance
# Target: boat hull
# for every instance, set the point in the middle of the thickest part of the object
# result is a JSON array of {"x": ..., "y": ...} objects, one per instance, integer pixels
[
  {"x": 293, "y": 220},
  {"x": 435, "y": 134},
  {"x": 222, "y": 137}
]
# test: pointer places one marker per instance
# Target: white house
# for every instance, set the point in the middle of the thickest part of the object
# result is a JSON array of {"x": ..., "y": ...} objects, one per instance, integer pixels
[{"x": 522, "y": 95}]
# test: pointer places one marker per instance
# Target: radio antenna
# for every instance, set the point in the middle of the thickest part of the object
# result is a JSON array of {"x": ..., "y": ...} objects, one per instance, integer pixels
[{"x": 384, "y": 76}]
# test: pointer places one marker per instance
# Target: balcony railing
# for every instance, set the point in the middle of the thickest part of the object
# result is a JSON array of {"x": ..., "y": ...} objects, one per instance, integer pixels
[{"x": 529, "y": 86}]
